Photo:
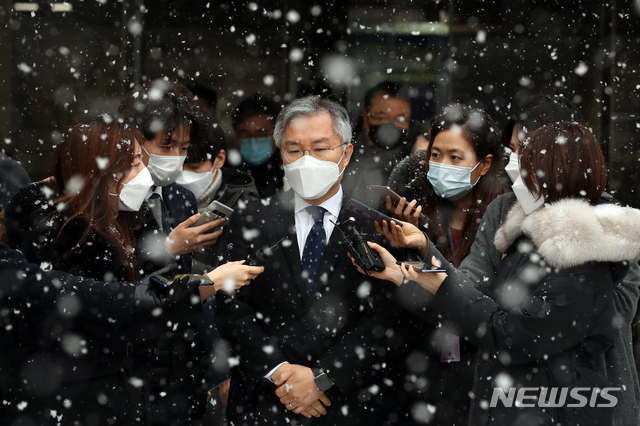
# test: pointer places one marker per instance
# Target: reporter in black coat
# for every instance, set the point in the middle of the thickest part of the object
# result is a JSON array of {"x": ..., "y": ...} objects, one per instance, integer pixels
[
  {"x": 143, "y": 371},
  {"x": 30, "y": 302}
]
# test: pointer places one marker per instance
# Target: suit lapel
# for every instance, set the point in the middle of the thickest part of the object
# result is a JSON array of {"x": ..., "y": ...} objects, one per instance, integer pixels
[{"x": 284, "y": 227}]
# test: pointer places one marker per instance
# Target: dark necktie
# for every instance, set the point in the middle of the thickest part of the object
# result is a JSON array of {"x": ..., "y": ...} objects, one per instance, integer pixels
[
  {"x": 157, "y": 209},
  {"x": 314, "y": 246}
]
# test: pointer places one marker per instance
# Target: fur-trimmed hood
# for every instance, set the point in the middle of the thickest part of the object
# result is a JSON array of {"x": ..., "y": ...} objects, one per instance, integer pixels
[{"x": 572, "y": 232}]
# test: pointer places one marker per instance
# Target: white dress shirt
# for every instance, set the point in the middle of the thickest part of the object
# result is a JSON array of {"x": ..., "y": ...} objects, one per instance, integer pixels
[
  {"x": 304, "y": 221},
  {"x": 157, "y": 190}
]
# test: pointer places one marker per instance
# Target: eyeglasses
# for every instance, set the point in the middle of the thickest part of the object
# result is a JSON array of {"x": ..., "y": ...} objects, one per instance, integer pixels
[{"x": 320, "y": 152}]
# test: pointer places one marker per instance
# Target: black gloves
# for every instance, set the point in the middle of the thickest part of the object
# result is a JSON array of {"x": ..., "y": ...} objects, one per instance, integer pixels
[{"x": 149, "y": 296}]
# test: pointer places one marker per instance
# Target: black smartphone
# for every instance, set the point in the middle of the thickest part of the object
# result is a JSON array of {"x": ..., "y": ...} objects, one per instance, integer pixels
[
  {"x": 384, "y": 191},
  {"x": 367, "y": 212},
  {"x": 420, "y": 266},
  {"x": 161, "y": 280}
]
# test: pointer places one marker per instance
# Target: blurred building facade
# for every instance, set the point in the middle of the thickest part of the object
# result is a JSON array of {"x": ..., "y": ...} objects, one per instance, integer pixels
[{"x": 59, "y": 60}]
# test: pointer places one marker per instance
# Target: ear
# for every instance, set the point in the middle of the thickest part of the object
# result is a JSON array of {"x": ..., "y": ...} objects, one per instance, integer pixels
[
  {"x": 220, "y": 159},
  {"x": 348, "y": 150},
  {"x": 485, "y": 165}
]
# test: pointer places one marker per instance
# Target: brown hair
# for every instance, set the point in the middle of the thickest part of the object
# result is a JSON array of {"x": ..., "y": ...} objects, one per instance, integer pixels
[
  {"x": 479, "y": 129},
  {"x": 93, "y": 152},
  {"x": 563, "y": 160}
]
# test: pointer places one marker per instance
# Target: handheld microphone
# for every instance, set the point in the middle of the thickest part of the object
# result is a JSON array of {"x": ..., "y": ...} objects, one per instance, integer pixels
[
  {"x": 262, "y": 256},
  {"x": 364, "y": 256}
]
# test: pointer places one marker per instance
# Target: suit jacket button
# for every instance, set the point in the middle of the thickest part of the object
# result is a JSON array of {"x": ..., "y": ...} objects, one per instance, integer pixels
[{"x": 306, "y": 325}]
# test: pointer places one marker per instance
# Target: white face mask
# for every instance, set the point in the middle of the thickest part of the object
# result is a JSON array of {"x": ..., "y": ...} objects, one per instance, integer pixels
[
  {"x": 527, "y": 200},
  {"x": 134, "y": 192},
  {"x": 196, "y": 182},
  {"x": 513, "y": 168},
  {"x": 164, "y": 169},
  {"x": 311, "y": 178}
]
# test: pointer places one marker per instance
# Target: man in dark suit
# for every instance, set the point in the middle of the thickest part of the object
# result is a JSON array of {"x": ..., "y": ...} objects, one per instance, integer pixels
[
  {"x": 169, "y": 120},
  {"x": 310, "y": 333}
]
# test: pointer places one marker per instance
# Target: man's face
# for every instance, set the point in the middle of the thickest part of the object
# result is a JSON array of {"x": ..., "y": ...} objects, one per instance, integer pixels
[
  {"x": 255, "y": 126},
  {"x": 307, "y": 132},
  {"x": 175, "y": 145},
  {"x": 385, "y": 109}
]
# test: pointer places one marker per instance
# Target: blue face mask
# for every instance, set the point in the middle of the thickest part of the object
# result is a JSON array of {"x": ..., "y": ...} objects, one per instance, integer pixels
[
  {"x": 450, "y": 182},
  {"x": 256, "y": 151}
]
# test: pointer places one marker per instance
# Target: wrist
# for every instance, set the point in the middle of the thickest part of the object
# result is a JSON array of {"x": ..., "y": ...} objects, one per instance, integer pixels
[
  {"x": 217, "y": 281},
  {"x": 168, "y": 244},
  {"x": 423, "y": 246},
  {"x": 398, "y": 277},
  {"x": 423, "y": 243}
]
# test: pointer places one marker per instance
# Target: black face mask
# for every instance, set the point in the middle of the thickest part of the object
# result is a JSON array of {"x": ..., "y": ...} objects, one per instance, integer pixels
[{"x": 386, "y": 135}]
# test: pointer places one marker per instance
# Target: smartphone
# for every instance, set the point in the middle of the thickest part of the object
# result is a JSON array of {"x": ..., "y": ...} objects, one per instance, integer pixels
[
  {"x": 161, "y": 280},
  {"x": 367, "y": 212},
  {"x": 420, "y": 266},
  {"x": 213, "y": 211},
  {"x": 383, "y": 191}
]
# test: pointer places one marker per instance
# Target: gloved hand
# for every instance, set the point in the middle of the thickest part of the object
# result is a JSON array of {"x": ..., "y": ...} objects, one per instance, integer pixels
[{"x": 151, "y": 296}]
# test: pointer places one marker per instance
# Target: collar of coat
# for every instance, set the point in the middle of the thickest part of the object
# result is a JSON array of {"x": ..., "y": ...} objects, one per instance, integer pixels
[{"x": 571, "y": 232}]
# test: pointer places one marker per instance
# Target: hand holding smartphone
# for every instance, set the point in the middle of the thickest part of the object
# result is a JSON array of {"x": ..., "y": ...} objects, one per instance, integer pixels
[
  {"x": 213, "y": 211},
  {"x": 385, "y": 191}
]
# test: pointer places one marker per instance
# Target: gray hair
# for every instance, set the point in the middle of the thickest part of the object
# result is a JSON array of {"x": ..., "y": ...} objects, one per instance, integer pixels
[{"x": 310, "y": 106}]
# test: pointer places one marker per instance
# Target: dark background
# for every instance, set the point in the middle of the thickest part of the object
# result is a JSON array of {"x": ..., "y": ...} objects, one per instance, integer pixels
[{"x": 58, "y": 66}]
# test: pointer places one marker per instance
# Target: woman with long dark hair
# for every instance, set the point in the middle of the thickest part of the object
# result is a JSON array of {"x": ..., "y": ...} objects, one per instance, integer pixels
[
  {"x": 461, "y": 176},
  {"x": 80, "y": 221},
  {"x": 463, "y": 138},
  {"x": 97, "y": 183},
  {"x": 83, "y": 221}
]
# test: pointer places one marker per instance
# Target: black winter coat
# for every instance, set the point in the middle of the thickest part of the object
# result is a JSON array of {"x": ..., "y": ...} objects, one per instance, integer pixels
[
  {"x": 30, "y": 299},
  {"x": 546, "y": 314},
  {"x": 159, "y": 348}
]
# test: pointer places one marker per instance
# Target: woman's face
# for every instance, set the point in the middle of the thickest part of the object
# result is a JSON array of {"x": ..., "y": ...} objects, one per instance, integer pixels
[
  {"x": 517, "y": 136},
  {"x": 136, "y": 165},
  {"x": 451, "y": 148}
]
